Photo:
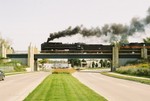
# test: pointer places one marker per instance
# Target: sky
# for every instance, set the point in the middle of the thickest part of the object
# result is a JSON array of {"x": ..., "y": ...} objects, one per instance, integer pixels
[{"x": 31, "y": 21}]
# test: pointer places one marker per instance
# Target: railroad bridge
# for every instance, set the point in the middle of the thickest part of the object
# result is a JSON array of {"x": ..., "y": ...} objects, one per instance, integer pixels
[{"x": 115, "y": 54}]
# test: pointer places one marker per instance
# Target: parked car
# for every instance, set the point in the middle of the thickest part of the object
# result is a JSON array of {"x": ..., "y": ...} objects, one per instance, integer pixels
[{"x": 2, "y": 75}]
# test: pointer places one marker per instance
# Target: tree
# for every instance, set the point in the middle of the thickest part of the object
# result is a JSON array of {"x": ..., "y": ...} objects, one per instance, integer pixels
[
  {"x": 74, "y": 62},
  {"x": 83, "y": 60},
  {"x": 101, "y": 62},
  {"x": 7, "y": 42},
  {"x": 93, "y": 64},
  {"x": 43, "y": 61},
  {"x": 84, "y": 63},
  {"x": 105, "y": 63},
  {"x": 96, "y": 65},
  {"x": 109, "y": 63},
  {"x": 146, "y": 40}
]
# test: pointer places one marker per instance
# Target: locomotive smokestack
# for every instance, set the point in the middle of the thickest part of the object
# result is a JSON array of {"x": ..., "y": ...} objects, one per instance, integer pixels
[{"x": 50, "y": 37}]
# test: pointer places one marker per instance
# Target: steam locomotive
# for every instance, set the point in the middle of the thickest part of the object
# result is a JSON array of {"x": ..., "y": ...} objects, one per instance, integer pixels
[{"x": 58, "y": 47}]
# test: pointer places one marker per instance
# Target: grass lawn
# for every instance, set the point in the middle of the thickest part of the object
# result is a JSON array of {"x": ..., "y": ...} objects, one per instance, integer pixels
[
  {"x": 14, "y": 73},
  {"x": 145, "y": 81},
  {"x": 63, "y": 87}
]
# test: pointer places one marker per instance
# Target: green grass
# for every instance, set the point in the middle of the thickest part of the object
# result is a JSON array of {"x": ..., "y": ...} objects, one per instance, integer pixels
[
  {"x": 63, "y": 87},
  {"x": 14, "y": 73},
  {"x": 145, "y": 81}
]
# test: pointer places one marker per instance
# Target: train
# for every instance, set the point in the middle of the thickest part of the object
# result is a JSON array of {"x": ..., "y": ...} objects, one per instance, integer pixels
[
  {"x": 135, "y": 45},
  {"x": 58, "y": 47}
]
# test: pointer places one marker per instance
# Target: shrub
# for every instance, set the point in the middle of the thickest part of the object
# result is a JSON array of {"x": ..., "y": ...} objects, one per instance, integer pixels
[
  {"x": 60, "y": 72},
  {"x": 63, "y": 71},
  {"x": 19, "y": 68},
  {"x": 138, "y": 71}
]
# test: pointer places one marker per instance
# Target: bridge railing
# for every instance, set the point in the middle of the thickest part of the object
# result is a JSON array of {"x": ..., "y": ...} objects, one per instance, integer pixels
[{"x": 21, "y": 52}]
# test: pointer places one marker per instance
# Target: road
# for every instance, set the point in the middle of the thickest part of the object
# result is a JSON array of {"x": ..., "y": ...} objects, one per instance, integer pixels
[
  {"x": 114, "y": 89},
  {"x": 17, "y": 87}
]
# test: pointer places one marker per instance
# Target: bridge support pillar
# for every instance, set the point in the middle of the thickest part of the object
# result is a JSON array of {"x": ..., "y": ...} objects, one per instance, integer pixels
[
  {"x": 115, "y": 58},
  {"x": 2, "y": 50},
  {"x": 31, "y": 57},
  {"x": 32, "y": 62},
  {"x": 35, "y": 64},
  {"x": 144, "y": 53}
]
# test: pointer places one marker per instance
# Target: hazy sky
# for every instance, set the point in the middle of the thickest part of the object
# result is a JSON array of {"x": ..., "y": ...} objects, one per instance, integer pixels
[{"x": 25, "y": 21}]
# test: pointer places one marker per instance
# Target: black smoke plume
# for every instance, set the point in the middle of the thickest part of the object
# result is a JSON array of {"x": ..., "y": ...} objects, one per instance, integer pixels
[
  {"x": 67, "y": 32},
  {"x": 117, "y": 32},
  {"x": 147, "y": 18}
]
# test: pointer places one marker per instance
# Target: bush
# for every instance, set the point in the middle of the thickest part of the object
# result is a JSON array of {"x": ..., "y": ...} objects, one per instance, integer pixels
[
  {"x": 137, "y": 71},
  {"x": 60, "y": 72},
  {"x": 16, "y": 65},
  {"x": 19, "y": 68},
  {"x": 63, "y": 71}
]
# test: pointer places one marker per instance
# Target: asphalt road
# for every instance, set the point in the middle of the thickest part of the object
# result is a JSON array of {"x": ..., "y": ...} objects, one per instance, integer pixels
[
  {"x": 17, "y": 87},
  {"x": 114, "y": 89}
]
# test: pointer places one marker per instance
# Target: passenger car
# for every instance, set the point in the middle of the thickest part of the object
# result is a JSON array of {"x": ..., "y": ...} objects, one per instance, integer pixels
[{"x": 2, "y": 75}]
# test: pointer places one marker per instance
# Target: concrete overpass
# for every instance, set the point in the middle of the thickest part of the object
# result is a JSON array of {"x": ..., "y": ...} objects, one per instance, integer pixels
[
  {"x": 115, "y": 55},
  {"x": 73, "y": 55}
]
